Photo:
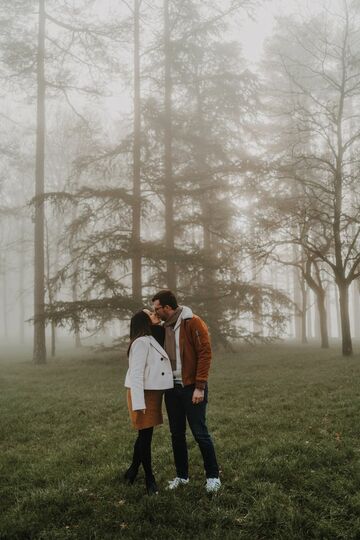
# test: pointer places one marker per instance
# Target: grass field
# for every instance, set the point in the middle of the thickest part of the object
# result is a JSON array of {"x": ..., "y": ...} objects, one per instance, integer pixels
[{"x": 285, "y": 422}]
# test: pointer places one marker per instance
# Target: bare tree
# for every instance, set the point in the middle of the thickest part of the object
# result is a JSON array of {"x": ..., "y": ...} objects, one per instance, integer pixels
[{"x": 318, "y": 82}]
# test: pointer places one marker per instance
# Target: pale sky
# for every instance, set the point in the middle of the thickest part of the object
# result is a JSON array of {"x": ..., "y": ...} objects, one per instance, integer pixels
[{"x": 253, "y": 33}]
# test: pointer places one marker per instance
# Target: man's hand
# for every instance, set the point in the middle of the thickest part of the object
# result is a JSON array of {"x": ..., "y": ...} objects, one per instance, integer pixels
[{"x": 198, "y": 396}]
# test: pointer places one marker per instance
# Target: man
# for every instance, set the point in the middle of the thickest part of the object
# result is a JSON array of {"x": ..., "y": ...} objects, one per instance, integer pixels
[{"x": 187, "y": 344}]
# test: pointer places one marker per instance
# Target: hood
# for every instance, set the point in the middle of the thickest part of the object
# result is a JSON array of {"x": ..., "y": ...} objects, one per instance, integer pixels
[{"x": 186, "y": 313}]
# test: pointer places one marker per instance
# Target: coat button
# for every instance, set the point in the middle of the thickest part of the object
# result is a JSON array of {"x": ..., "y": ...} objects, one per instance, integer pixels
[
  {"x": 161, "y": 359},
  {"x": 163, "y": 373}
]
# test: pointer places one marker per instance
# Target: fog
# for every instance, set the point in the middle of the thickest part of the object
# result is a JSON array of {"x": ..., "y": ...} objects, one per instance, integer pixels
[{"x": 207, "y": 147}]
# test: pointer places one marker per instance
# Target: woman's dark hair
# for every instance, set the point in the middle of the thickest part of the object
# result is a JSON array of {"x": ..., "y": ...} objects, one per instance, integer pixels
[
  {"x": 140, "y": 325},
  {"x": 166, "y": 298}
]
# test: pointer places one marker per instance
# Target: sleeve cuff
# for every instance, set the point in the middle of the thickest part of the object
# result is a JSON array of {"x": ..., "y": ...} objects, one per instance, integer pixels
[{"x": 200, "y": 385}]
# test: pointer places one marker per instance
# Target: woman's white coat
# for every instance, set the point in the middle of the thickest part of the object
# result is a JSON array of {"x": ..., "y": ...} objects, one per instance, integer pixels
[{"x": 149, "y": 369}]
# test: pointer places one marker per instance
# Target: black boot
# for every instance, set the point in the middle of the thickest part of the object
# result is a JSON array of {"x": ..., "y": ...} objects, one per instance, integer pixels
[
  {"x": 151, "y": 486},
  {"x": 131, "y": 474}
]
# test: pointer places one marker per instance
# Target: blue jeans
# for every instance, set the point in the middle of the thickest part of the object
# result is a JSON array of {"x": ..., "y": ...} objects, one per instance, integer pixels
[{"x": 180, "y": 408}]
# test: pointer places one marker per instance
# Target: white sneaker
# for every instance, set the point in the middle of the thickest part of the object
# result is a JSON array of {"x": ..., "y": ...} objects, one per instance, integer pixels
[
  {"x": 173, "y": 484},
  {"x": 213, "y": 485}
]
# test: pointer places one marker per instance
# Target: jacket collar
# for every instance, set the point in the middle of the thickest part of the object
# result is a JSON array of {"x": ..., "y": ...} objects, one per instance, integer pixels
[
  {"x": 158, "y": 347},
  {"x": 186, "y": 313}
]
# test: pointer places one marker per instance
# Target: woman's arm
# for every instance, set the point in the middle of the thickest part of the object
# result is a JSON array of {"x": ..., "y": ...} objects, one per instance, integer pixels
[{"x": 137, "y": 362}]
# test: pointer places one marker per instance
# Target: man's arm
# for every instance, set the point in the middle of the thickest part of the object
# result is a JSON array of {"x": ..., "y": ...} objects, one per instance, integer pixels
[{"x": 202, "y": 345}]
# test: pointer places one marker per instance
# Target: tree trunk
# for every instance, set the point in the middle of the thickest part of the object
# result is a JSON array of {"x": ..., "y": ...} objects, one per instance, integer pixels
[
  {"x": 316, "y": 286},
  {"x": 51, "y": 295},
  {"x": 76, "y": 269},
  {"x": 347, "y": 349},
  {"x": 309, "y": 316},
  {"x": 208, "y": 281},
  {"x": 257, "y": 304},
  {"x": 77, "y": 329},
  {"x": 39, "y": 354},
  {"x": 356, "y": 308},
  {"x": 21, "y": 282},
  {"x": 288, "y": 290},
  {"x": 317, "y": 329},
  {"x": 169, "y": 188},
  {"x": 304, "y": 298},
  {"x": 329, "y": 315},
  {"x": 5, "y": 301},
  {"x": 53, "y": 339},
  {"x": 53, "y": 299},
  {"x": 320, "y": 298},
  {"x": 136, "y": 210},
  {"x": 74, "y": 288},
  {"x": 337, "y": 312},
  {"x": 297, "y": 298}
]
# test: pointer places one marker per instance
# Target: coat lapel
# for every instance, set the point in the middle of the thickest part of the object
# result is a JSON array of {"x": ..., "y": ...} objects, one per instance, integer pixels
[{"x": 158, "y": 347}]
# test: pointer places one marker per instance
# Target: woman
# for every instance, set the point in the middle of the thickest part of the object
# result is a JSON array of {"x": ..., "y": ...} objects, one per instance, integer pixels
[
  {"x": 157, "y": 329},
  {"x": 149, "y": 374}
]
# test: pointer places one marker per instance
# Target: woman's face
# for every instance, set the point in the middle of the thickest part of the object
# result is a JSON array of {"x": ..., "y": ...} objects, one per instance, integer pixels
[{"x": 153, "y": 317}]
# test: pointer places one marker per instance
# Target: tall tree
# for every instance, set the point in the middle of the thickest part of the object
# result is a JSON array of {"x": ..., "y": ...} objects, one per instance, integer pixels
[
  {"x": 136, "y": 217},
  {"x": 191, "y": 91},
  {"x": 212, "y": 103},
  {"x": 315, "y": 62},
  {"x": 168, "y": 157},
  {"x": 39, "y": 353}
]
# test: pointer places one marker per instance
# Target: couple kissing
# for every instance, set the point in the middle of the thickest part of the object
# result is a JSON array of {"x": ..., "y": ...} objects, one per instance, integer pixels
[{"x": 169, "y": 355}]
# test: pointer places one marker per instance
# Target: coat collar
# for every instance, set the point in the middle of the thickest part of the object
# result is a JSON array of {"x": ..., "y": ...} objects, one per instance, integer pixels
[{"x": 158, "y": 347}]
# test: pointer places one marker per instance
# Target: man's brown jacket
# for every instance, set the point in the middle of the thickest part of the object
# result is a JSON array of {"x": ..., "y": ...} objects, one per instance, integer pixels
[{"x": 195, "y": 351}]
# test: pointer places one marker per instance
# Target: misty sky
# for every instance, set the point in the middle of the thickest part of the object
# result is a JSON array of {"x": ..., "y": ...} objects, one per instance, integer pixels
[{"x": 254, "y": 33}]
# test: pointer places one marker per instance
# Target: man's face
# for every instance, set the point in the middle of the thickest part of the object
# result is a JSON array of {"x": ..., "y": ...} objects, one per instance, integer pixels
[{"x": 163, "y": 312}]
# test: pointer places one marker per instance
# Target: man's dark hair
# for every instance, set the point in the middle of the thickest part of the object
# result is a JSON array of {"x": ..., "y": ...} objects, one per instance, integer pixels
[{"x": 166, "y": 298}]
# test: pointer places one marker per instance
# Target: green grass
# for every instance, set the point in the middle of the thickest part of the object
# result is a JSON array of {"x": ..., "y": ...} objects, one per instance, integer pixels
[{"x": 285, "y": 422}]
